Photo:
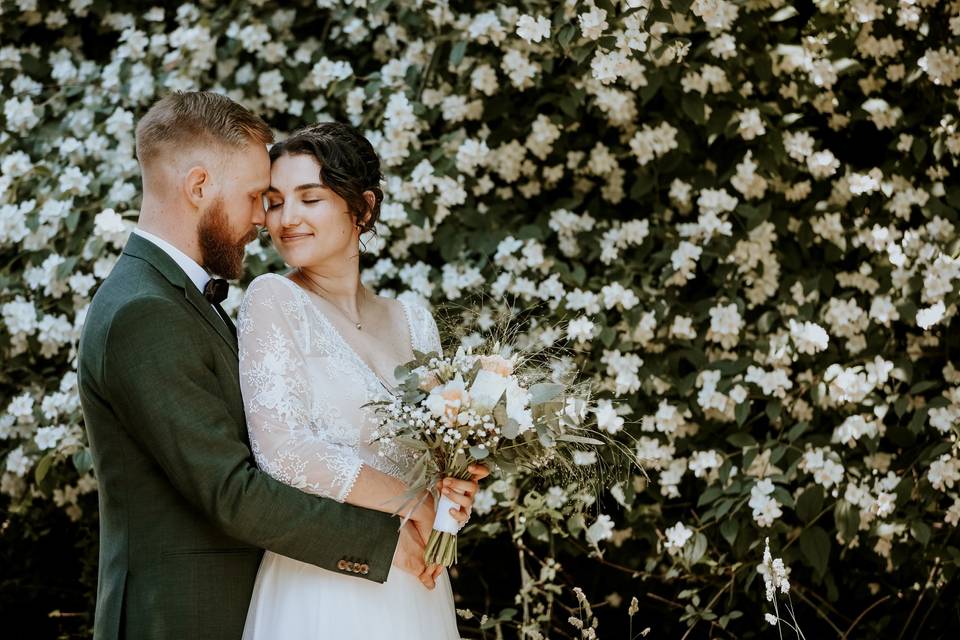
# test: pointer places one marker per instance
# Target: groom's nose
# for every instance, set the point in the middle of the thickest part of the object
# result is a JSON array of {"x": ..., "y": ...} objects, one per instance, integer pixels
[{"x": 258, "y": 216}]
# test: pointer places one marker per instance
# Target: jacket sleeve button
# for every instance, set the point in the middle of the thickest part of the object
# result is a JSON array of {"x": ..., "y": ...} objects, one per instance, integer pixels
[
  {"x": 364, "y": 569},
  {"x": 342, "y": 565}
]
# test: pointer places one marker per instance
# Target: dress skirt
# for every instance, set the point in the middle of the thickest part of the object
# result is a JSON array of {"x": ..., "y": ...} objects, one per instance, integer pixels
[{"x": 293, "y": 600}]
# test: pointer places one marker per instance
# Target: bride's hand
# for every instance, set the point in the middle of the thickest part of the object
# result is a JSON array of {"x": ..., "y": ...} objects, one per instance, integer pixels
[
  {"x": 463, "y": 492},
  {"x": 409, "y": 555}
]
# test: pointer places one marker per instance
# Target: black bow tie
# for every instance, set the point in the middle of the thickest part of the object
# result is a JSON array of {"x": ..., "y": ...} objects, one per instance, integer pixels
[{"x": 215, "y": 290}]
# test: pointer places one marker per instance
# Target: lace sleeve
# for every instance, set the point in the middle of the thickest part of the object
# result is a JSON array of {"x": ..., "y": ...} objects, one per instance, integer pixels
[
  {"x": 288, "y": 440},
  {"x": 426, "y": 336},
  {"x": 432, "y": 333}
]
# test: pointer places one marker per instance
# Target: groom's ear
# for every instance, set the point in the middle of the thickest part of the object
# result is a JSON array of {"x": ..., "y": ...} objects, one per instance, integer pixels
[{"x": 197, "y": 185}]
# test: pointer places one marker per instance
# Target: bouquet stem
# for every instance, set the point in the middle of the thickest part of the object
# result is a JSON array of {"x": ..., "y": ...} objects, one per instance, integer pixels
[{"x": 441, "y": 549}]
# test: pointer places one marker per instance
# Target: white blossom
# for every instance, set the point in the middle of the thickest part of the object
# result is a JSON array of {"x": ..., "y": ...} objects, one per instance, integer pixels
[
  {"x": 533, "y": 29},
  {"x": 677, "y": 537}
]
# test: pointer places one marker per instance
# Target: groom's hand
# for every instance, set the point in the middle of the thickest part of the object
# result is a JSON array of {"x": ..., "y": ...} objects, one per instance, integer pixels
[{"x": 409, "y": 555}]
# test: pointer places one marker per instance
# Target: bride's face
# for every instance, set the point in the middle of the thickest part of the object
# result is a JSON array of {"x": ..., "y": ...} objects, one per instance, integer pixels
[{"x": 308, "y": 222}]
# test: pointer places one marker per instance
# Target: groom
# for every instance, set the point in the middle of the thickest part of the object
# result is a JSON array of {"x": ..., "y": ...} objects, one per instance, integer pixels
[{"x": 184, "y": 513}]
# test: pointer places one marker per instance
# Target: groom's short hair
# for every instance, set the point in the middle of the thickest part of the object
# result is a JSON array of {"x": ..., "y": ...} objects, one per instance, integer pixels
[{"x": 188, "y": 118}]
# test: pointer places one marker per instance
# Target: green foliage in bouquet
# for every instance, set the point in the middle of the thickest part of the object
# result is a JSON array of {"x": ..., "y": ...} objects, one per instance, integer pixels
[{"x": 449, "y": 413}]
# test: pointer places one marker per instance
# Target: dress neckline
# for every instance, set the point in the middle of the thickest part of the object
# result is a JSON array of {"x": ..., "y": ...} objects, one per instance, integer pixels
[{"x": 346, "y": 344}]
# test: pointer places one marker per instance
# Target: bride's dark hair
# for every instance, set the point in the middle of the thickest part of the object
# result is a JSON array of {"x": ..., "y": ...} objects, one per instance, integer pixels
[{"x": 348, "y": 165}]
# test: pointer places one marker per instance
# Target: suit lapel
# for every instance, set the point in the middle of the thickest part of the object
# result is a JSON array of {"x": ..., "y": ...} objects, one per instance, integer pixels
[
  {"x": 210, "y": 314},
  {"x": 143, "y": 249}
]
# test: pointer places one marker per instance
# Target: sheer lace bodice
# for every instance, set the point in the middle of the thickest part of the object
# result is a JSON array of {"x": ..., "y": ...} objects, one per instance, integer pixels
[{"x": 304, "y": 388}]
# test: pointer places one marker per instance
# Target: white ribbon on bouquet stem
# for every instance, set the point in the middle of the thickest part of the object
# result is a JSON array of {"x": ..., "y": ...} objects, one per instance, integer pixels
[{"x": 444, "y": 521}]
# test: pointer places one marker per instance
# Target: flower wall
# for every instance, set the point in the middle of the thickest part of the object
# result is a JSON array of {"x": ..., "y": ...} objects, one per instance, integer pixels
[{"x": 738, "y": 219}]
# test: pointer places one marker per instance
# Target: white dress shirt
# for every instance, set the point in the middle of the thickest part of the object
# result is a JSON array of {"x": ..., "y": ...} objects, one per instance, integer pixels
[{"x": 194, "y": 271}]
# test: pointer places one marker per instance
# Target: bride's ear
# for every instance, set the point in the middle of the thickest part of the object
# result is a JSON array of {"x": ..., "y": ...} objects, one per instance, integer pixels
[{"x": 368, "y": 214}]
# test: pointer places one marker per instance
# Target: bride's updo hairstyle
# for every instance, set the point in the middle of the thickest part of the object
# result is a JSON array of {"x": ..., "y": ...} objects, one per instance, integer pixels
[{"x": 348, "y": 165}]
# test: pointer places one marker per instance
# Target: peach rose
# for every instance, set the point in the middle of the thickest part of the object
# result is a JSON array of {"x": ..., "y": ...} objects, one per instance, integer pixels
[
  {"x": 496, "y": 364},
  {"x": 429, "y": 381}
]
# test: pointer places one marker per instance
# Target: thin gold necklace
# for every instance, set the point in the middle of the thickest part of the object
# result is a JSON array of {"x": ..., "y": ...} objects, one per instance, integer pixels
[{"x": 314, "y": 287}]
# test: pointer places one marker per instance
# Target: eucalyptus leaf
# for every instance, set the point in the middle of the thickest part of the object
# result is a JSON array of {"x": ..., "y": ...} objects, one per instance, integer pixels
[
  {"x": 580, "y": 439},
  {"x": 544, "y": 392},
  {"x": 479, "y": 453}
]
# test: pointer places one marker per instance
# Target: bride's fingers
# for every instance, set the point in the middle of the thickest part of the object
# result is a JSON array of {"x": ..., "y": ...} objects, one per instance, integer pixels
[
  {"x": 460, "y": 499},
  {"x": 478, "y": 471},
  {"x": 466, "y": 487}
]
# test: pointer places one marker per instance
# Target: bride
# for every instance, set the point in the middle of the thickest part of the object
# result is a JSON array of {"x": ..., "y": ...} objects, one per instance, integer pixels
[{"x": 315, "y": 346}]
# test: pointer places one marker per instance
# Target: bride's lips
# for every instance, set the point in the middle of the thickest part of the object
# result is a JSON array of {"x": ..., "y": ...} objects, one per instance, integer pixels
[{"x": 293, "y": 237}]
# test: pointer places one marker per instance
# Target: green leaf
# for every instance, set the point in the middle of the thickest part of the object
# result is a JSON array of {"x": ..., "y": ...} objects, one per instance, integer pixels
[
  {"x": 576, "y": 523},
  {"x": 608, "y": 336},
  {"x": 797, "y": 431},
  {"x": 511, "y": 430},
  {"x": 580, "y": 54},
  {"x": 581, "y": 439},
  {"x": 569, "y": 105},
  {"x": 917, "y": 421},
  {"x": 83, "y": 461},
  {"x": 73, "y": 218},
  {"x": 815, "y": 546},
  {"x": 925, "y": 385},
  {"x": 919, "y": 149},
  {"x": 692, "y": 105},
  {"x": 741, "y": 439},
  {"x": 544, "y": 392},
  {"x": 544, "y": 435},
  {"x": 507, "y": 614},
  {"x": 809, "y": 503},
  {"x": 742, "y": 411},
  {"x": 724, "y": 506},
  {"x": 694, "y": 552},
  {"x": 65, "y": 268},
  {"x": 708, "y": 496},
  {"x": 538, "y": 530},
  {"x": 457, "y": 53},
  {"x": 773, "y": 409},
  {"x": 479, "y": 453},
  {"x": 920, "y": 531},
  {"x": 847, "y": 519},
  {"x": 43, "y": 467},
  {"x": 566, "y": 35},
  {"x": 729, "y": 529}
]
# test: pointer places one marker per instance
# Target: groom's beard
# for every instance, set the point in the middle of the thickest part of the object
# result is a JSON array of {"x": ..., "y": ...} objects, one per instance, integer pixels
[{"x": 221, "y": 254}]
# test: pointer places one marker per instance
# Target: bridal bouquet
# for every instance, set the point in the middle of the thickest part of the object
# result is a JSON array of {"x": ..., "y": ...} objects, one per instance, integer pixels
[{"x": 488, "y": 408}]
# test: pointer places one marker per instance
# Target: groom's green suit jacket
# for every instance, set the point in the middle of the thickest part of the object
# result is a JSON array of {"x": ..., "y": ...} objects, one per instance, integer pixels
[{"x": 184, "y": 512}]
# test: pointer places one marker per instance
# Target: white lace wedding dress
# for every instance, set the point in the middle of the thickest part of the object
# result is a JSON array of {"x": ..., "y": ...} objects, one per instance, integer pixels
[{"x": 303, "y": 390}]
